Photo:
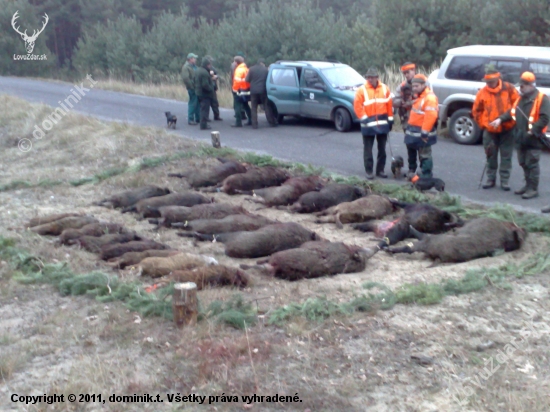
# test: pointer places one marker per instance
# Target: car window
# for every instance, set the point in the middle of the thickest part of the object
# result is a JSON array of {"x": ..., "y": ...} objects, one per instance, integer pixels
[
  {"x": 466, "y": 68},
  {"x": 509, "y": 70},
  {"x": 311, "y": 78},
  {"x": 541, "y": 71},
  {"x": 283, "y": 77},
  {"x": 343, "y": 77}
]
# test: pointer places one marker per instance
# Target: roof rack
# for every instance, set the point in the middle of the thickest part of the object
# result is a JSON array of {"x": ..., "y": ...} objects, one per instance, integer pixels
[{"x": 305, "y": 62}]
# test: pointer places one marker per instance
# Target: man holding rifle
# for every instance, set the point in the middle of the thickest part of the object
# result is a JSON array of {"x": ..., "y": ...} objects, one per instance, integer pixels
[{"x": 531, "y": 113}]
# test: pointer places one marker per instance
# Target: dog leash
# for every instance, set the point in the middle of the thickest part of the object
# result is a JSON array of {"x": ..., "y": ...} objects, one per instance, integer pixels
[{"x": 389, "y": 144}]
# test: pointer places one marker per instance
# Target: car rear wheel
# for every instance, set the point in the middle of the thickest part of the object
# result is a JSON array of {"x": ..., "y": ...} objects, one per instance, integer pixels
[
  {"x": 280, "y": 118},
  {"x": 342, "y": 120},
  {"x": 463, "y": 129}
]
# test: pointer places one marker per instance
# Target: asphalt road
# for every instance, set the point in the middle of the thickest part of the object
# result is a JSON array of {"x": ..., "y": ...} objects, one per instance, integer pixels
[{"x": 305, "y": 141}]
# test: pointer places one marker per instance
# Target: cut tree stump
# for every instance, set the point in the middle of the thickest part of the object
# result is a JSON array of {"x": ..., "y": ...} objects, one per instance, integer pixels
[
  {"x": 216, "y": 139},
  {"x": 184, "y": 304}
]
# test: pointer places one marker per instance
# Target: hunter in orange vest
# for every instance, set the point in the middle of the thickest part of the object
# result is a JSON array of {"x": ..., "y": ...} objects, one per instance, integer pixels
[
  {"x": 241, "y": 92},
  {"x": 421, "y": 131},
  {"x": 495, "y": 99},
  {"x": 531, "y": 113},
  {"x": 373, "y": 106}
]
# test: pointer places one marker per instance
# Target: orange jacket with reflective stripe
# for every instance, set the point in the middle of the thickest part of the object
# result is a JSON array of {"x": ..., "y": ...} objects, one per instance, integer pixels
[
  {"x": 535, "y": 111},
  {"x": 239, "y": 81},
  {"x": 492, "y": 103},
  {"x": 424, "y": 111},
  {"x": 371, "y": 102}
]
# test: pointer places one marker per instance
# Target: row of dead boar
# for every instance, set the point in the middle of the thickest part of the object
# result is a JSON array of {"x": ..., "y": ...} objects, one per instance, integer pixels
[{"x": 290, "y": 251}]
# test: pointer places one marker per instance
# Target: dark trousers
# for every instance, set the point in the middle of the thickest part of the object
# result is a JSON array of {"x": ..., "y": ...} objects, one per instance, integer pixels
[
  {"x": 193, "y": 110},
  {"x": 216, "y": 106},
  {"x": 368, "y": 143},
  {"x": 257, "y": 99},
  {"x": 493, "y": 144},
  {"x": 529, "y": 159},
  {"x": 243, "y": 113},
  {"x": 205, "y": 103},
  {"x": 424, "y": 154},
  {"x": 239, "y": 107}
]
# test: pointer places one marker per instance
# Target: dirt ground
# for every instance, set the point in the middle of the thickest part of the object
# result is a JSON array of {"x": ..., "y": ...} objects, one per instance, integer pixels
[{"x": 485, "y": 351}]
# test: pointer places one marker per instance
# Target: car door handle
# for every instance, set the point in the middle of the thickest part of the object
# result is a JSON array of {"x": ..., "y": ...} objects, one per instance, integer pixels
[{"x": 273, "y": 88}]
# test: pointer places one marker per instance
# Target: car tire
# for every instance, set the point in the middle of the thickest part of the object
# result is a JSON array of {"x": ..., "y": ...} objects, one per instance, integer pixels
[
  {"x": 280, "y": 118},
  {"x": 342, "y": 120},
  {"x": 463, "y": 129}
]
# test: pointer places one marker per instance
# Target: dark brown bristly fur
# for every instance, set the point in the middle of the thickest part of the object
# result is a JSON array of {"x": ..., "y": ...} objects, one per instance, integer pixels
[
  {"x": 182, "y": 214},
  {"x": 212, "y": 176},
  {"x": 37, "y": 221},
  {"x": 478, "y": 238},
  {"x": 330, "y": 195},
  {"x": 95, "y": 243},
  {"x": 149, "y": 207},
  {"x": 94, "y": 229},
  {"x": 113, "y": 251},
  {"x": 255, "y": 178},
  {"x": 215, "y": 275},
  {"x": 232, "y": 223},
  {"x": 316, "y": 259},
  {"x": 131, "y": 197},
  {"x": 289, "y": 192},
  {"x": 268, "y": 240},
  {"x": 56, "y": 227},
  {"x": 360, "y": 210}
]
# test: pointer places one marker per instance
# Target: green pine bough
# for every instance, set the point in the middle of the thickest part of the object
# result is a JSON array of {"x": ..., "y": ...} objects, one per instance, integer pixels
[{"x": 29, "y": 269}]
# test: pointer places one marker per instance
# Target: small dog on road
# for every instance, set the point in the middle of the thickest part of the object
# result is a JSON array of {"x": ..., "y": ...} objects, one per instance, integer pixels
[
  {"x": 171, "y": 120},
  {"x": 396, "y": 166}
]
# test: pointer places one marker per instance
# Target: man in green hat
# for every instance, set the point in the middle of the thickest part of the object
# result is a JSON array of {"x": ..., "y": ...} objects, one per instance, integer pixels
[
  {"x": 188, "y": 72},
  {"x": 204, "y": 89},
  {"x": 531, "y": 113}
]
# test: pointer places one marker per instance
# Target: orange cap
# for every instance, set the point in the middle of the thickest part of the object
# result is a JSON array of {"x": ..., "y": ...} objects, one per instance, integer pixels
[
  {"x": 407, "y": 67},
  {"x": 419, "y": 78},
  {"x": 492, "y": 76},
  {"x": 528, "y": 77}
]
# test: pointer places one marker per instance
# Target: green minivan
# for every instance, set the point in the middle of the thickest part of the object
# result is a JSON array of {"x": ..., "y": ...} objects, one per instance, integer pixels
[{"x": 319, "y": 90}]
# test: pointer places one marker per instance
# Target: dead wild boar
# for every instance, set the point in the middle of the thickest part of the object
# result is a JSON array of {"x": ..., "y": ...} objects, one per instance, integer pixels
[
  {"x": 267, "y": 240},
  {"x": 232, "y": 223},
  {"x": 133, "y": 258},
  {"x": 361, "y": 210},
  {"x": 56, "y": 227},
  {"x": 94, "y": 244},
  {"x": 113, "y": 251},
  {"x": 207, "y": 276},
  {"x": 131, "y": 197},
  {"x": 163, "y": 266},
  {"x": 149, "y": 207},
  {"x": 316, "y": 259},
  {"x": 286, "y": 194},
  {"x": 211, "y": 176},
  {"x": 182, "y": 214},
  {"x": 477, "y": 238},
  {"x": 37, "y": 221},
  {"x": 330, "y": 195},
  {"x": 68, "y": 236},
  {"x": 254, "y": 178},
  {"x": 424, "y": 217}
]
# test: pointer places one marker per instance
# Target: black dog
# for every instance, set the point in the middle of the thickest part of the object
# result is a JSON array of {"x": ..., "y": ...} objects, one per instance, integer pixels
[
  {"x": 396, "y": 166},
  {"x": 426, "y": 183},
  {"x": 171, "y": 120}
]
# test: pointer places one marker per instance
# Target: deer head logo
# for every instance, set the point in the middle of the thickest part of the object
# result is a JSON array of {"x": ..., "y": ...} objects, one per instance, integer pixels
[{"x": 29, "y": 40}]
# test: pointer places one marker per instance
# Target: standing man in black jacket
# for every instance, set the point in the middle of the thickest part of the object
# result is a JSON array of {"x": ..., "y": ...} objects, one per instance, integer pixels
[
  {"x": 257, "y": 77},
  {"x": 204, "y": 89}
]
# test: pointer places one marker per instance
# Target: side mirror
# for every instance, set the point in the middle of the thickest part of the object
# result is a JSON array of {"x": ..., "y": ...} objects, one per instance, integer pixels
[{"x": 320, "y": 86}]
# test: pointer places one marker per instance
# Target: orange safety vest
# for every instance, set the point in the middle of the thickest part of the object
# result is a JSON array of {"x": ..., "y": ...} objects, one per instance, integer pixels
[
  {"x": 374, "y": 108},
  {"x": 535, "y": 111},
  {"x": 424, "y": 111},
  {"x": 491, "y": 103},
  {"x": 239, "y": 80}
]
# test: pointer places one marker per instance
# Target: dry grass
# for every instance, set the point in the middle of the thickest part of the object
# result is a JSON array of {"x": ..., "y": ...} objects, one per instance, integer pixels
[{"x": 52, "y": 344}]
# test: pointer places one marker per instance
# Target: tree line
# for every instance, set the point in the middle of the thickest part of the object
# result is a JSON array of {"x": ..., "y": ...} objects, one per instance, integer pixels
[{"x": 148, "y": 40}]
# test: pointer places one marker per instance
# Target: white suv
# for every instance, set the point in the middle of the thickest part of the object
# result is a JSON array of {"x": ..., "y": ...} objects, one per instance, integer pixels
[{"x": 459, "y": 78}]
